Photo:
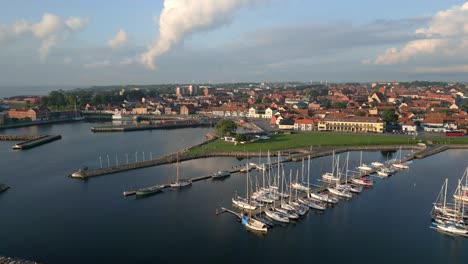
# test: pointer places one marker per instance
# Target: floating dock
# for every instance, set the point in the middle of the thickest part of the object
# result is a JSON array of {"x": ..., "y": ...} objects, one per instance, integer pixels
[{"x": 36, "y": 142}]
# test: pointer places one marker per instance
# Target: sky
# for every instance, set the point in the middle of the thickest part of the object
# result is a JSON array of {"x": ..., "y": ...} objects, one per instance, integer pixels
[{"x": 82, "y": 43}]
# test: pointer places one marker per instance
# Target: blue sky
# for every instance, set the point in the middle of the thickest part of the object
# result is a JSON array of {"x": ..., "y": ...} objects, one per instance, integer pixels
[{"x": 243, "y": 40}]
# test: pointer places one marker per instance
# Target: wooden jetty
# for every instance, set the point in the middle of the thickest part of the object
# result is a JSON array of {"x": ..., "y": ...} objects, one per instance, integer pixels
[{"x": 36, "y": 142}]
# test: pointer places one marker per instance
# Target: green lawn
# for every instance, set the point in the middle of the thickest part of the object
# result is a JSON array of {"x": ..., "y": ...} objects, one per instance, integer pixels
[{"x": 287, "y": 141}]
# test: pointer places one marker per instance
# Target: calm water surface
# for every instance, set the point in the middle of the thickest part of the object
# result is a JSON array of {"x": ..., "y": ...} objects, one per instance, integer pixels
[{"x": 49, "y": 217}]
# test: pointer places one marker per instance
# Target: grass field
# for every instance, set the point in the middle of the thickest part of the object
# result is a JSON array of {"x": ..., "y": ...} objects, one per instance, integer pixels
[{"x": 287, "y": 141}]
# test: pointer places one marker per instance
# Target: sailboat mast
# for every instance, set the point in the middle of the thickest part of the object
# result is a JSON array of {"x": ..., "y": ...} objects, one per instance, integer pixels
[
  {"x": 308, "y": 178},
  {"x": 278, "y": 164},
  {"x": 346, "y": 173},
  {"x": 333, "y": 163},
  {"x": 445, "y": 193},
  {"x": 302, "y": 176},
  {"x": 177, "y": 168}
]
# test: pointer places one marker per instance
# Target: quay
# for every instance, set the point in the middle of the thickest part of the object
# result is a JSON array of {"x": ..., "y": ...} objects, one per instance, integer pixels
[
  {"x": 36, "y": 142},
  {"x": 129, "y": 128},
  {"x": 41, "y": 122}
]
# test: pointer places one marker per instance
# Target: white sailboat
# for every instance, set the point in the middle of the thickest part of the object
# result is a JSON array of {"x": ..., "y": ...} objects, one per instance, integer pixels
[
  {"x": 330, "y": 176},
  {"x": 299, "y": 186},
  {"x": 363, "y": 167},
  {"x": 384, "y": 172},
  {"x": 338, "y": 189},
  {"x": 398, "y": 164},
  {"x": 454, "y": 224},
  {"x": 377, "y": 164},
  {"x": 244, "y": 203},
  {"x": 461, "y": 194}
]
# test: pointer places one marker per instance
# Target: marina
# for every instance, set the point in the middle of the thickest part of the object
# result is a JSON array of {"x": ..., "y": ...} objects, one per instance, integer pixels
[{"x": 403, "y": 199}]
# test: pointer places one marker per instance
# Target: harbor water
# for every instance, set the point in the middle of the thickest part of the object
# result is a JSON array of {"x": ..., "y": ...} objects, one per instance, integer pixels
[{"x": 51, "y": 218}]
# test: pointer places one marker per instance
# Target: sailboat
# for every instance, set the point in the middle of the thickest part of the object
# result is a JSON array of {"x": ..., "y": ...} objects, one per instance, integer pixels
[
  {"x": 180, "y": 183},
  {"x": 253, "y": 224},
  {"x": 398, "y": 164},
  {"x": 330, "y": 176},
  {"x": 362, "y": 181},
  {"x": 349, "y": 187},
  {"x": 377, "y": 164},
  {"x": 363, "y": 167},
  {"x": 384, "y": 172},
  {"x": 461, "y": 194},
  {"x": 455, "y": 222},
  {"x": 299, "y": 186},
  {"x": 339, "y": 189},
  {"x": 244, "y": 203},
  {"x": 311, "y": 203}
]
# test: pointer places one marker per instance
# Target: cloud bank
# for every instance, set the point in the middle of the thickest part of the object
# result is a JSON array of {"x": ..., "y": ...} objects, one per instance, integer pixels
[
  {"x": 446, "y": 35},
  {"x": 50, "y": 31},
  {"x": 180, "y": 18}
]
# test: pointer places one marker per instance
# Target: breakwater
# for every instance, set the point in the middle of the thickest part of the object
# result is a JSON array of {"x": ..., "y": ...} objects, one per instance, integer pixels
[
  {"x": 292, "y": 155},
  {"x": 8, "y": 260},
  {"x": 36, "y": 142}
]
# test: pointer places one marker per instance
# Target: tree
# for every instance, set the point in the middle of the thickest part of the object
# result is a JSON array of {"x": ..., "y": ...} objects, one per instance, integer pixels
[
  {"x": 464, "y": 107},
  {"x": 339, "y": 105},
  {"x": 346, "y": 91},
  {"x": 360, "y": 113},
  {"x": 225, "y": 128},
  {"x": 326, "y": 103},
  {"x": 241, "y": 137},
  {"x": 389, "y": 115}
]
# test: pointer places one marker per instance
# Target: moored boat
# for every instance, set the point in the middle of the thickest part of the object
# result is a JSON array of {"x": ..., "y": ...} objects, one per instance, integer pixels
[
  {"x": 323, "y": 197},
  {"x": 254, "y": 225},
  {"x": 180, "y": 183},
  {"x": 377, "y": 164},
  {"x": 149, "y": 191},
  {"x": 362, "y": 181},
  {"x": 220, "y": 174},
  {"x": 277, "y": 216}
]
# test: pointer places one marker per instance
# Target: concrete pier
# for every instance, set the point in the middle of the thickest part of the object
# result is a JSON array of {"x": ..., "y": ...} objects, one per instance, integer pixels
[
  {"x": 36, "y": 142},
  {"x": 19, "y": 137}
]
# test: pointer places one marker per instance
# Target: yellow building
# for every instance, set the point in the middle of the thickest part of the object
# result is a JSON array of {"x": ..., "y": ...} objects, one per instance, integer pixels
[{"x": 352, "y": 124}]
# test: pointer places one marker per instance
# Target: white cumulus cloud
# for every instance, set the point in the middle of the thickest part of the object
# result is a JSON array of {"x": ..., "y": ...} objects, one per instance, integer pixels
[
  {"x": 180, "y": 18},
  {"x": 50, "y": 31},
  {"x": 119, "y": 40},
  {"x": 446, "y": 35}
]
